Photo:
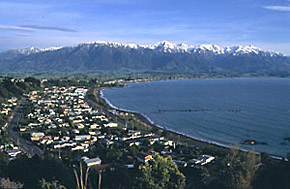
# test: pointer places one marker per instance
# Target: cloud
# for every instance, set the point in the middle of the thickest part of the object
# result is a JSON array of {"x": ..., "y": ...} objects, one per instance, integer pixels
[
  {"x": 48, "y": 28},
  {"x": 16, "y": 28},
  {"x": 31, "y": 28},
  {"x": 278, "y": 8}
]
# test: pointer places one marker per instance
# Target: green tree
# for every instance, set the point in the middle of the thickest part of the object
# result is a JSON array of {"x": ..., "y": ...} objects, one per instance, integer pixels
[
  {"x": 50, "y": 185},
  {"x": 241, "y": 168},
  {"x": 6, "y": 183},
  {"x": 159, "y": 173},
  {"x": 236, "y": 170},
  {"x": 4, "y": 160}
]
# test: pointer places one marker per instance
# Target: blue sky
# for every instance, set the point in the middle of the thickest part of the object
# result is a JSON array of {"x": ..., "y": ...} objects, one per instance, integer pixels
[{"x": 263, "y": 23}]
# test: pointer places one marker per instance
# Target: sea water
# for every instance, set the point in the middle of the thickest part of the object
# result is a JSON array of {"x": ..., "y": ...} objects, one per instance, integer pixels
[{"x": 221, "y": 111}]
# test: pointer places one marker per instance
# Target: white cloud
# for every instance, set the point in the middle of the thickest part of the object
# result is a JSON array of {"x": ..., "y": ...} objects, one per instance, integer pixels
[
  {"x": 18, "y": 28},
  {"x": 278, "y": 8},
  {"x": 35, "y": 27},
  {"x": 55, "y": 28}
]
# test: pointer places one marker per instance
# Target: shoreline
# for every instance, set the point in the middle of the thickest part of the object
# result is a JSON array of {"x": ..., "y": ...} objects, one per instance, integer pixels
[
  {"x": 198, "y": 142},
  {"x": 153, "y": 124}
]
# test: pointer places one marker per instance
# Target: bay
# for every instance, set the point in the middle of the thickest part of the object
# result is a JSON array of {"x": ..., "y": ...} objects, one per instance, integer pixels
[{"x": 221, "y": 111}]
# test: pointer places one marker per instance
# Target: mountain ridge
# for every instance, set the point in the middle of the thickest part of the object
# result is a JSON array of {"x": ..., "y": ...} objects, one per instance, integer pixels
[
  {"x": 164, "y": 57},
  {"x": 164, "y": 46}
]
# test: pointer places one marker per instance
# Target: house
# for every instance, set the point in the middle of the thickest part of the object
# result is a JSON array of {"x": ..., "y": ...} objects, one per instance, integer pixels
[
  {"x": 51, "y": 126},
  {"x": 82, "y": 137},
  {"x": 129, "y": 166},
  {"x": 202, "y": 160},
  {"x": 144, "y": 158},
  {"x": 111, "y": 124},
  {"x": 94, "y": 126},
  {"x": 33, "y": 124},
  {"x": 129, "y": 162},
  {"x": 13, "y": 153},
  {"x": 4, "y": 111},
  {"x": 134, "y": 142},
  {"x": 22, "y": 128},
  {"x": 77, "y": 148},
  {"x": 169, "y": 143},
  {"x": 30, "y": 115},
  {"x": 180, "y": 163},
  {"x": 101, "y": 136},
  {"x": 93, "y": 162},
  {"x": 39, "y": 135},
  {"x": 92, "y": 133},
  {"x": 76, "y": 131},
  {"x": 80, "y": 126}
]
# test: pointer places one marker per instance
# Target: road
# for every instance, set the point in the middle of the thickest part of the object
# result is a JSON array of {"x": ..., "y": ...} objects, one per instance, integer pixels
[{"x": 26, "y": 146}]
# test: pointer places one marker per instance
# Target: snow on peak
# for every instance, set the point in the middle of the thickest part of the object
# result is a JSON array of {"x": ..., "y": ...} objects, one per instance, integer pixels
[
  {"x": 183, "y": 45},
  {"x": 168, "y": 47},
  {"x": 112, "y": 44},
  {"x": 209, "y": 48},
  {"x": 32, "y": 50},
  {"x": 250, "y": 49},
  {"x": 51, "y": 49},
  {"x": 166, "y": 44},
  {"x": 29, "y": 50}
]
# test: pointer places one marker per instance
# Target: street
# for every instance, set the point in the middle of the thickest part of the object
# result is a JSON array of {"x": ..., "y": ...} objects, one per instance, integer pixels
[{"x": 26, "y": 146}]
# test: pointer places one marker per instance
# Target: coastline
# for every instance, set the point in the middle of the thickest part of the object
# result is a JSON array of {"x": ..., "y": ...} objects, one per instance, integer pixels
[
  {"x": 196, "y": 142},
  {"x": 182, "y": 137}
]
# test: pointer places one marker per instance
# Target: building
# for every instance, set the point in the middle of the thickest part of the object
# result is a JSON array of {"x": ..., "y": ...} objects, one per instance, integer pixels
[
  {"x": 202, "y": 160},
  {"x": 144, "y": 158},
  {"x": 13, "y": 153},
  {"x": 93, "y": 162},
  {"x": 111, "y": 125}
]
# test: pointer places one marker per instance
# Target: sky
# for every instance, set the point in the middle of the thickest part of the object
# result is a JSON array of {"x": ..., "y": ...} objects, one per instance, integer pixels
[{"x": 53, "y": 23}]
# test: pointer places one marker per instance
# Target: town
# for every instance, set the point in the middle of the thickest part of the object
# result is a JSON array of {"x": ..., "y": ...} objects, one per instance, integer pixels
[
  {"x": 72, "y": 128},
  {"x": 61, "y": 122}
]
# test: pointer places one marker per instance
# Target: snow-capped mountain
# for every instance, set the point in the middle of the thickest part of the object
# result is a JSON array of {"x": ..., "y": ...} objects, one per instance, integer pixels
[
  {"x": 17, "y": 52},
  {"x": 24, "y": 52},
  {"x": 28, "y": 51},
  {"x": 50, "y": 49},
  {"x": 215, "y": 49},
  {"x": 168, "y": 47},
  {"x": 167, "y": 57}
]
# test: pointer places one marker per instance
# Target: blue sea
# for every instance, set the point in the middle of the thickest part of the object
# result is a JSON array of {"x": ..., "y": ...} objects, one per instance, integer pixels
[{"x": 220, "y": 111}]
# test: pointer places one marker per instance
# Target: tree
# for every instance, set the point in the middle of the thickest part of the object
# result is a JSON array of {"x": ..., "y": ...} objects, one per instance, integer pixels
[
  {"x": 4, "y": 160},
  {"x": 5, "y": 183},
  {"x": 51, "y": 185},
  {"x": 161, "y": 172},
  {"x": 236, "y": 170},
  {"x": 241, "y": 168}
]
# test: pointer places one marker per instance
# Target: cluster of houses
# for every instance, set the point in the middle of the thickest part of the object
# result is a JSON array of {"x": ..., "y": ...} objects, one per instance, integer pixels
[
  {"x": 11, "y": 149},
  {"x": 60, "y": 120},
  {"x": 7, "y": 107},
  {"x": 122, "y": 81}
]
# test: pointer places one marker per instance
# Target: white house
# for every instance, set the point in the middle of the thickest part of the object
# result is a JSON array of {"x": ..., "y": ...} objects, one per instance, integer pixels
[
  {"x": 111, "y": 124},
  {"x": 93, "y": 162}
]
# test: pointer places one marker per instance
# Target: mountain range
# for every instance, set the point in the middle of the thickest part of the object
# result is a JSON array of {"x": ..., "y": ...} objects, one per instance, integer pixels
[{"x": 161, "y": 58}]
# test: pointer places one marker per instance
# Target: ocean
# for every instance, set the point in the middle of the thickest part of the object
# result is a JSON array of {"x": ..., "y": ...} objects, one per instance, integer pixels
[{"x": 221, "y": 111}]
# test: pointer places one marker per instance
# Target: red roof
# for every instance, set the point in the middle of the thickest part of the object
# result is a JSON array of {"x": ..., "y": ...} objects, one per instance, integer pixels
[{"x": 101, "y": 167}]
